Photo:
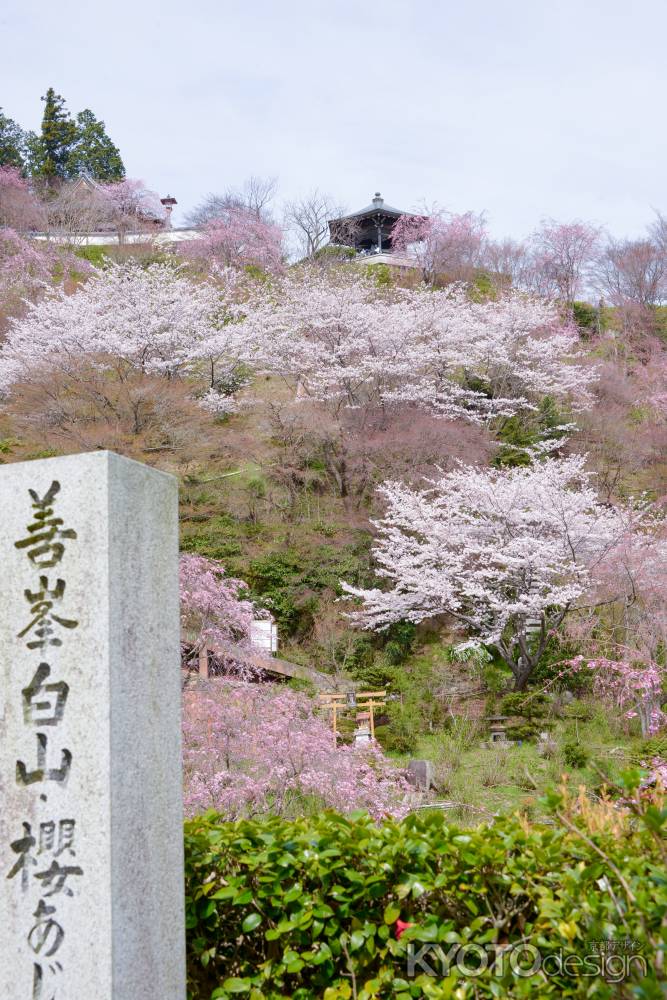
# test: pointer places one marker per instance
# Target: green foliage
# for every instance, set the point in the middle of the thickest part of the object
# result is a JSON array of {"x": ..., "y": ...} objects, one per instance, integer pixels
[
  {"x": 306, "y": 908},
  {"x": 578, "y": 710},
  {"x": 12, "y": 143},
  {"x": 482, "y": 287},
  {"x": 654, "y": 746},
  {"x": 361, "y": 658},
  {"x": 289, "y": 583},
  {"x": 585, "y": 316},
  {"x": 400, "y": 733},
  {"x": 519, "y": 433},
  {"x": 41, "y": 453},
  {"x": 50, "y": 151},
  {"x": 574, "y": 754},
  {"x": 523, "y": 731},
  {"x": 333, "y": 252},
  {"x": 515, "y": 435},
  {"x": 7, "y": 445},
  {"x": 496, "y": 678},
  {"x": 66, "y": 148},
  {"x": 400, "y": 639},
  {"x": 95, "y": 255},
  {"x": 525, "y": 703},
  {"x": 381, "y": 274},
  {"x": 93, "y": 151}
]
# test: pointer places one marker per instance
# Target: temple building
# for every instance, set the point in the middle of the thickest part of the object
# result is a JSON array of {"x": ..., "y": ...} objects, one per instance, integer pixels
[{"x": 369, "y": 229}]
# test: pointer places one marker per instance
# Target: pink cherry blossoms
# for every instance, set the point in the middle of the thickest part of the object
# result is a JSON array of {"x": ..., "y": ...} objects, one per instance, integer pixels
[
  {"x": 634, "y": 687},
  {"x": 29, "y": 269},
  {"x": 24, "y": 265},
  {"x": 129, "y": 204},
  {"x": 239, "y": 238},
  {"x": 506, "y": 553},
  {"x": 211, "y": 610},
  {"x": 253, "y": 748},
  {"x": 20, "y": 209},
  {"x": 152, "y": 319},
  {"x": 341, "y": 340},
  {"x": 442, "y": 243}
]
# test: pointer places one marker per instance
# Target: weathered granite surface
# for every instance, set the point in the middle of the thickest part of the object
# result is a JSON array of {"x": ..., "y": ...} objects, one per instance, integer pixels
[{"x": 91, "y": 863}]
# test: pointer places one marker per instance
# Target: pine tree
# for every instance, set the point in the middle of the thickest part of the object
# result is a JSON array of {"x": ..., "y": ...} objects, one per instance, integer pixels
[
  {"x": 51, "y": 149},
  {"x": 12, "y": 143},
  {"x": 94, "y": 153}
]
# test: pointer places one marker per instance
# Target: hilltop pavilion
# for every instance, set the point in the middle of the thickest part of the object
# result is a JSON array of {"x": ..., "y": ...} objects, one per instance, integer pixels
[{"x": 369, "y": 229}]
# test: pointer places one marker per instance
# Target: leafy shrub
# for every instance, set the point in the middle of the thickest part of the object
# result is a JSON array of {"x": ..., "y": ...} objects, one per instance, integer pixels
[
  {"x": 574, "y": 754},
  {"x": 578, "y": 709},
  {"x": 382, "y": 274},
  {"x": 401, "y": 732},
  {"x": 495, "y": 678},
  {"x": 656, "y": 745},
  {"x": 309, "y": 908},
  {"x": 374, "y": 673},
  {"x": 526, "y": 704},
  {"x": 585, "y": 316},
  {"x": 523, "y": 731},
  {"x": 95, "y": 255},
  {"x": 289, "y": 582}
]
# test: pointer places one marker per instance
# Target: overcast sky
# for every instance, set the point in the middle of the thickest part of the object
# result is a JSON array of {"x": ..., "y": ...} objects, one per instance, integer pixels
[{"x": 523, "y": 109}]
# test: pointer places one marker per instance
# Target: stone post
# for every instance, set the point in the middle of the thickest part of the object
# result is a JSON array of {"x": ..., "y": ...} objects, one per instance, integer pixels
[{"x": 91, "y": 845}]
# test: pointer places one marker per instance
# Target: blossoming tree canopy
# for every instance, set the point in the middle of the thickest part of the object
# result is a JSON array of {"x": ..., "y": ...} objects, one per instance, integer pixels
[
  {"x": 240, "y": 238},
  {"x": 153, "y": 319},
  {"x": 507, "y": 553},
  {"x": 341, "y": 340},
  {"x": 211, "y": 608},
  {"x": 442, "y": 243},
  {"x": 252, "y": 748},
  {"x": 29, "y": 269},
  {"x": 20, "y": 208}
]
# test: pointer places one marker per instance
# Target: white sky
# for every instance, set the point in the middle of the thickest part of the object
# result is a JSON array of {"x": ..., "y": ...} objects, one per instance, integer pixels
[{"x": 521, "y": 108}]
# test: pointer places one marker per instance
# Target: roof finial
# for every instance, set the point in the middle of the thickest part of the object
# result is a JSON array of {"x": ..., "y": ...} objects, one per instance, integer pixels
[{"x": 378, "y": 199}]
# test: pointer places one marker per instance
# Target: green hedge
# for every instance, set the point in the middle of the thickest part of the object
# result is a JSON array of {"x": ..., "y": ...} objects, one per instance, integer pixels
[{"x": 309, "y": 908}]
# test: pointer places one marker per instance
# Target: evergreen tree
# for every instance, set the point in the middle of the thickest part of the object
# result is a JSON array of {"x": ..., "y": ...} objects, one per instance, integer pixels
[
  {"x": 51, "y": 149},
  {"x": 12, "y": 143},
  {"x": 94, "y": 153}
]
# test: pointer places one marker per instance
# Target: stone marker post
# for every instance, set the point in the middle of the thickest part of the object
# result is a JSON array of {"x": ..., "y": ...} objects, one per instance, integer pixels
[{"x": 91, "y": 846}]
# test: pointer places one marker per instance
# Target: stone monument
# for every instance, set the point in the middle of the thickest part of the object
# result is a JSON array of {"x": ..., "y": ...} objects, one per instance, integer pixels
[{"x": 91, "y": 845}]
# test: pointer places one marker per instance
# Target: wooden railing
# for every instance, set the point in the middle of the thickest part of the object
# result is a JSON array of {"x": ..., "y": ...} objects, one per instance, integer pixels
[{"x": 257, "y": 660}]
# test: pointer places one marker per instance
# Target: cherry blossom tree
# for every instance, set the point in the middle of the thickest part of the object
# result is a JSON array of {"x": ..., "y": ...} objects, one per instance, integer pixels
[
  {"x": 255, "y": 196},
  {"x": 74, "y": 212},
  {"x": 481, "y": 360},
  {"x": 132, "y": 207},
  {"x": 342, "y": 341},
  {"x": 251, "y": 749},
  {"x": 154, "y": 320},
  {"x": 508, "y": 554},
  {"x": 509, "y": 263},
  {"x": 24, "y": 264},
  {"x": 624, "y": 632},
  {"x": 633, "y": 687},
  {"x": 30, "y": 269},
  {"x": 238, "y": 238},
  {"x": 562, "y": 253},
  {"x": 211, "y": 608},
  {"x": 632, "y": 271},
  {"x": 20, "y": 209},
  {"x": 444, "y": 244}
]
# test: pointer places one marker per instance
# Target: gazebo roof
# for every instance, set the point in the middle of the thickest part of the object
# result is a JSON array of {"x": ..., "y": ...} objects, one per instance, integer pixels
[{"x": 377, "y": 205}]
